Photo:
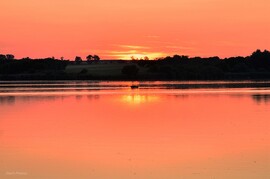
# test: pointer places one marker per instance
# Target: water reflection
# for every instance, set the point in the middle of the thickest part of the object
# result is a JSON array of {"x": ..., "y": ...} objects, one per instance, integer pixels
[
  {"x": 7, "y": 100},
  {"x": 139, "y": 99},
  {"x": 11, "y": 100},
  {"x": 88, "y": 97},
  {"x": 93, "y": 97},
  {"x": 78, "y": 97},
  {"x": 151, "y": 134},
  {"x": 261, "y": 98},
  {"x": 56, "y": 86}
]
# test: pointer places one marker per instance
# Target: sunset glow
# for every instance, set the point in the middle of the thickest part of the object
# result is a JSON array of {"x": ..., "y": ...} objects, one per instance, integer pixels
[
  {"x": 120, "y": 29},
  {"x": 136, "y": 99}
]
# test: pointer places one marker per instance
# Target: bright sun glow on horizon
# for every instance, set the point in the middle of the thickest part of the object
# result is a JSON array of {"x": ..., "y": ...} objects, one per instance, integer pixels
[
  {"x": 129, "y": 52},
  {"x": 137, "y": 56},
  {"x": 120, "y": 29}
]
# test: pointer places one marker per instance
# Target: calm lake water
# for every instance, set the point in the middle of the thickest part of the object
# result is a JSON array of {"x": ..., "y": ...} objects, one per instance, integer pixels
[{"x": 163, "y": 130}]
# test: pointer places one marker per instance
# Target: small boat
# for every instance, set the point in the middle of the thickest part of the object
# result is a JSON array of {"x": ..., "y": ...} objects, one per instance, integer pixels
[{"x": 134, "y": 87}]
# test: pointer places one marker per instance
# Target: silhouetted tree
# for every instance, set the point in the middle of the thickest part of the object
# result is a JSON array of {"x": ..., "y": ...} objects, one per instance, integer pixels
[
  {"x": 3, "y": 57},
  {"x": 78, "y": 60},
  {"x": 257, "y": 54},
  {"x": 168, "y": 58},
  {"x": 96, "y": 58},
  {"x": 184, "y": 57},
  {"x": 89, "y": 57},
  {"x": 261, "y": 60},
  {"x": 134, "y": 58},
  {"x": 146, "y": 58},
  {"x": 10, "y": 57},
  {"x": 177, "y": 57},
  {"x": 26, "y": 58}
]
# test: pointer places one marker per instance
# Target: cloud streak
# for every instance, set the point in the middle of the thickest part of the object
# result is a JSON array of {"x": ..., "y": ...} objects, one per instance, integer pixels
[{"x": 133, "y": 47}]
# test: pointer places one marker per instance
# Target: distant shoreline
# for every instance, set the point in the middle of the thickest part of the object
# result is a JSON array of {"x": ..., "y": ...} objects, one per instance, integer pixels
[{"x": 180, "y": 68}]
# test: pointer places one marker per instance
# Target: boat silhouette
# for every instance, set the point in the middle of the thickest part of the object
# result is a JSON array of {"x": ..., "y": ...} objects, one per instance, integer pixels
[{"x": 134, "y": 86}]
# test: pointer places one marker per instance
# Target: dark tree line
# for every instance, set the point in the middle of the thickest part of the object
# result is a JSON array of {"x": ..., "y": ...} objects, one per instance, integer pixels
[
  {"x": 7, "y": 57},
  {"x": 177, "y": 67},
  {"x": 10, "y": 65},
  {"x": 89, "y": 59},
  {"x": 255, "y": 66}
]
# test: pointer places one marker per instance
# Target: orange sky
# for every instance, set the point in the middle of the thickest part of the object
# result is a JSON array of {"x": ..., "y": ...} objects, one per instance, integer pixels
[{"x": 116, "y": 29}]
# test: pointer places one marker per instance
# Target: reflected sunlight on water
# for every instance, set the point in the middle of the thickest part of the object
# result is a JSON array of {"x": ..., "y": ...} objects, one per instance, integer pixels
[{"x": 139, "y": 99}]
